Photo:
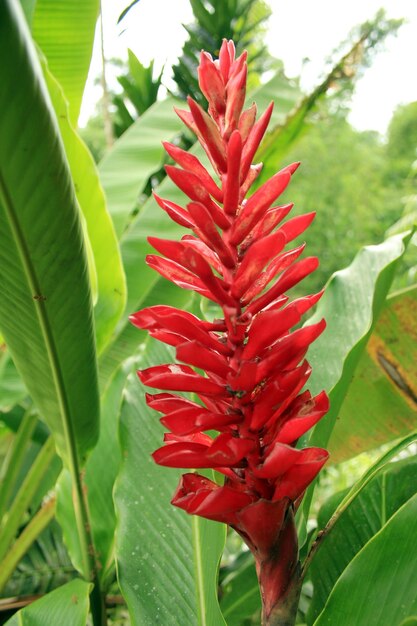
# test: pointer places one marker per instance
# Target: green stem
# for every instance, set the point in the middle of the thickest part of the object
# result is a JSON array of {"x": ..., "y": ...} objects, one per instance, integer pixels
[
  {"x": 82, "y": 518},
  {"x": 13, "y": 519},
  {"x": 14, "y": 459},
  {"x": 17, "y": 551}
]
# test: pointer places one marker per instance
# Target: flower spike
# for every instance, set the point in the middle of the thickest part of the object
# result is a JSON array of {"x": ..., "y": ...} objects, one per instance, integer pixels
[{"x": 253, "y": 363}]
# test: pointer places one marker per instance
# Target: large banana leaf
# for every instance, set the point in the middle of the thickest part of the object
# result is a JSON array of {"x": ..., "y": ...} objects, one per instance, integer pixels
[
  {"x": 378, "y": 586},
  {"x": 352, "y": 303},
  {"x": 380, "y": 405},
  {"x": 167, "y": 560},
  {"x": 45, "y": 304},
  {"x": 365, "y": 516},
  {"x": 99, "y": 231},
  {"x": 64, "y": 30},
  {"x": 138, "y": 153},
  {"x": 66, "y": 605}
]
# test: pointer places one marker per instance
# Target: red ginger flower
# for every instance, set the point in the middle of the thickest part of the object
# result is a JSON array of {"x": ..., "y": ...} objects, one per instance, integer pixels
[{"x": 255, "y": 367}]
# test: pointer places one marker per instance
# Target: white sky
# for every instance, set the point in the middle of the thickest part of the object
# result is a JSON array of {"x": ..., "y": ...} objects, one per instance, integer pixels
[{"x": 297, "y": 29}]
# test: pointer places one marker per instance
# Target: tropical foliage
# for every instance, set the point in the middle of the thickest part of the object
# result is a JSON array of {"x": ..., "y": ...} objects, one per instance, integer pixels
[{"x": 85, "y": 518}]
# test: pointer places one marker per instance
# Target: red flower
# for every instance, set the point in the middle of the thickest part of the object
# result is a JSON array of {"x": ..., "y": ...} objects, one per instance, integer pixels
[{"x": 255, "y": 367}]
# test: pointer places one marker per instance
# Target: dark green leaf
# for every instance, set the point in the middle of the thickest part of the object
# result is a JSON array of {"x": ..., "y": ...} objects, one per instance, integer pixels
[
  {"x": 366, "y": 515},
  {"x": 241, "y": 597},
  {"x": 45, "y": 304},
  {"x": 377, "y": 587}
]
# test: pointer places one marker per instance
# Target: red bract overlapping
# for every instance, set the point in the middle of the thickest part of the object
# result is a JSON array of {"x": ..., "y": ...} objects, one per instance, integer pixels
[{"x": 254, "y": 364}]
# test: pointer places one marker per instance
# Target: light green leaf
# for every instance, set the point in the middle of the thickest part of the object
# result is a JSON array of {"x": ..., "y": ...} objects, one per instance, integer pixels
[
  {"x": 100, "y": 233},
  {"x": 126, "y": 341},
  {"x": 138, "y": 153},
  {"x": 285, "y": 95},
  {"x": 64, "y": 30},
  {"x": 352, "y": 303},
  {"x": 100, "y": 474},
  {"x": 45, "y": 304},
  {"x": 167, "y": 560},
  {"x": 68, "y": 605},
  {"x": 363, "y": 518},
  {"x": 384, "y": 385},
  {"x": 44, "y": 567},
  {"x": 386, "y": 568}
]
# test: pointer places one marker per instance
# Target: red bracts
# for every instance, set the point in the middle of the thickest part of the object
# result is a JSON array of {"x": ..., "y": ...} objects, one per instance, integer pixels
[{"x": 254, "y": 364}]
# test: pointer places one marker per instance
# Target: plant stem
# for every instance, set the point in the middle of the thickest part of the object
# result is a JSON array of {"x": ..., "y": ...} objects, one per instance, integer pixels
[
  {"x": 36, "y": 525},
  {"x": 82, "y": 517},
  {"x": 284, "y": 612}
]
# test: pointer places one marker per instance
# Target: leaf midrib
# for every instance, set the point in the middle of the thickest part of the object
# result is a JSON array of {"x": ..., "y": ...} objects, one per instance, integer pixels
[
  {"x": 43, "y": 319},
  {"x": 198, "y": 566}
]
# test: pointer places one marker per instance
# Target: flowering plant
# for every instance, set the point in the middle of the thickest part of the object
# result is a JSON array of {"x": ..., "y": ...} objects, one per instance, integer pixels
[{"x": 254, "y": 366}]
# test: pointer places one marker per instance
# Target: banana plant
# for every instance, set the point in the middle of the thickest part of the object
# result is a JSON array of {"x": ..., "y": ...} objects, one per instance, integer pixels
[{"x": 77, "y": 435}]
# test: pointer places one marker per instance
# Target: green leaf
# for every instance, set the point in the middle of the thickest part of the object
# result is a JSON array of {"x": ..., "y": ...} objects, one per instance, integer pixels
[
  {"x": 241, "y": 596},
  {"x": 386, "y": 568},
  {"x": 167, "y": 560},
  {"x": 126, "y": 11},
  {"x": 364, "y": 517},
  {"x": 13, "y": 418},
  {"x": 384, "y": 385},
  {"x": 351, "y": 305},
  {"x": 125, "y": 170},
  {"x": 45, "y": 566},
  {"x": 68, "y": 604},
  {"x": 285, "y": 95},
  {"x": 45, "y": 304},
  {"x": 12, "y": 388},
  {"x": 33, "y": 480},
  {"x": 281, "y": 137},
  {"x": 126, "y": 341},
  {"x": 144, "y": 284},
  {"x": 100, "y": 474},
  {"x": 14, "y": 459},
  {"x": 99, "y": 232},
  {"x": 410, "y": 621},
  {"x": 65, "y": 32}
]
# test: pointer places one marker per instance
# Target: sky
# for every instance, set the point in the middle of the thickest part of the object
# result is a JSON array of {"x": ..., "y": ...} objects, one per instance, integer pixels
[{"x": 298, "y": 29}]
